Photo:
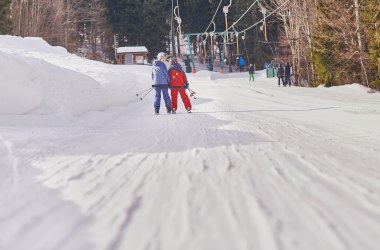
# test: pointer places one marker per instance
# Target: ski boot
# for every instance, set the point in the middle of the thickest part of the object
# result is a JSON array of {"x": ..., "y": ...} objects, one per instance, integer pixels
[
  {"x": 188, "y": 110},
  {"x": 169, "y": 109},
  {"x": 174, "y": 111},
  {"x": 157, "y": 110}
]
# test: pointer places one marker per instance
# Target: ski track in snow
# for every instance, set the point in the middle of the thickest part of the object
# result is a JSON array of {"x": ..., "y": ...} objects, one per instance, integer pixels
[
  {"x": 253, "y": 167},
  {"x": 11, "y": 160}
]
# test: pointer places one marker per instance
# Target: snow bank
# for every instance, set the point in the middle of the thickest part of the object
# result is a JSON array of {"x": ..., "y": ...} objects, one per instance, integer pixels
[
  {"x": 353, "y": 88},
  {"x": 17, "y": 97},
  {"x": 19, "y": 45},
  {"x": 211, "y": 75},
  {"x": 34, "y": 85},
  {"x": 349, "y": 88},
  {"x": 41, "y": 79}
]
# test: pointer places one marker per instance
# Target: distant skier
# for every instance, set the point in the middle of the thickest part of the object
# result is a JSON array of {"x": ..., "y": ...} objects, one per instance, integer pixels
[
  {"x": 178, "y": 83},
  {"x": 288, "y": 74},
  {"x": 280, "y": 75},
  {"x": 161, "y": 81},
  {"x": 251, "y": 73},
  {"x": 242, "y": 64},
  {"x": 237, "y": 64}
]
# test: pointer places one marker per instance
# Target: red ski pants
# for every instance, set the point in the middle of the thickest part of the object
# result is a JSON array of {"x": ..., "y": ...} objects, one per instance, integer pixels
[{"x": 185, "y": 98}]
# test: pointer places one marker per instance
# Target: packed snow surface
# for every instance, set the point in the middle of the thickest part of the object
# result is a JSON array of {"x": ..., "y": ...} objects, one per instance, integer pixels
[{"x": 85, "y": 164}]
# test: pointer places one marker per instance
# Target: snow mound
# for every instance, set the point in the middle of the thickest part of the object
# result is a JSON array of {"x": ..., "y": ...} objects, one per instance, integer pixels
[
  {"x": 211, "y": 75},
  {"x": 28, "y": 44},
  {"x": 19, "y": 92},
  {"x": 41, "y": 79},
  {"x": 31, "y": 85},
  {"x": 357, "y": 88},
  {"x": 204, "y": 74},
  {"x": 350, "y": 88}
]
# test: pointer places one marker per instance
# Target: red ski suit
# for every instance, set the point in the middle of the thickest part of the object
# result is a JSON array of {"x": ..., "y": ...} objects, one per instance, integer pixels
[{"x": 178, "y": 82}]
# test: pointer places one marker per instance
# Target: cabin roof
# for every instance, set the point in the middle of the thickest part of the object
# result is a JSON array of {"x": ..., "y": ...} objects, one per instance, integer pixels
[{"x": 132, "y": 49}]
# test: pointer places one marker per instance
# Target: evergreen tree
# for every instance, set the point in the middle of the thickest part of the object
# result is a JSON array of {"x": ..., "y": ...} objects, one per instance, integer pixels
[
  {"x": 196, "y": 15},
  {"x": 326, "y": 47},
  {"x": 254, "y": 47},
  {"x": 140, "y": 23},
  {"x": 335, "y": 52},
  {"x": 93, "y": 31},
  {"x": 147, "y": 22},
  {"x": 155, "y": 29},
  {"x": 5, "y": 22},
  {"x": 371, "y": 19}
]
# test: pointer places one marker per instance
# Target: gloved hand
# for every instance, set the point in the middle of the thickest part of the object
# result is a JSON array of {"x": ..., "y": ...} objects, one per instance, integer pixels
[{"x": 187, "y": 85}]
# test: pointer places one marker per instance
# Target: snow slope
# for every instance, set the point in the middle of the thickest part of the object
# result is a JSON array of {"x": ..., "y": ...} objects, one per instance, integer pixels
[
  {"x": 89, "y": 166},
  {"x": 44, "y": 79}
]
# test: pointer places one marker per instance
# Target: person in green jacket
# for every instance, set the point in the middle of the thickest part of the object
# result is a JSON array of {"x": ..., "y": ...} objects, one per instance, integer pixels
[{"x": 251, "y": 72}]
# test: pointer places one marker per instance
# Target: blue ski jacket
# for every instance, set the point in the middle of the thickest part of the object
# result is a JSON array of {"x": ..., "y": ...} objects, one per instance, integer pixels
[
  {"x": 242, "y": 61},
  {"x": 160, "y": 73}
]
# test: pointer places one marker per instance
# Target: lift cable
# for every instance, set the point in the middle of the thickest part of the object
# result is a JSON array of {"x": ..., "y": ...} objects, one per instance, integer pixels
[
  {"x": 250, "y": 27},
  {"x": 250, "y": 7},
  {"x": 212, "y": 20}
]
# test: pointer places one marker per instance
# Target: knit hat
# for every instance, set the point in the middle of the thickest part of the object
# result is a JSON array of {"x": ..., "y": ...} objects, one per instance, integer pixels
[{"x": 161, "y": 54}]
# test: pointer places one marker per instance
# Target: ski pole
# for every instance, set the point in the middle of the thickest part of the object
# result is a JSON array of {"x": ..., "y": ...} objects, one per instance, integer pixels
[
  {"x": 143, "y": 91},
  {"x": 146, "y": 93},
  {"x": 192, "y": 93}
]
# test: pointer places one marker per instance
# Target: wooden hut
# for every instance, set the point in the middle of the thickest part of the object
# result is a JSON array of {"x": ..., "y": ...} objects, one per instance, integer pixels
[{"x": 131, "y": 55}]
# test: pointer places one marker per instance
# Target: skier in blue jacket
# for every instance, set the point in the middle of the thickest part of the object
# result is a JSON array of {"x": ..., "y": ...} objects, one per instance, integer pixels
[
  {"x": 161, "y": 81},
  {"x": 242, "y": 64}
]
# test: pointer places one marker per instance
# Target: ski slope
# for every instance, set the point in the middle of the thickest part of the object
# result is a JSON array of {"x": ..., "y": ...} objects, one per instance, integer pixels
[{"x": 84, "y": 164}]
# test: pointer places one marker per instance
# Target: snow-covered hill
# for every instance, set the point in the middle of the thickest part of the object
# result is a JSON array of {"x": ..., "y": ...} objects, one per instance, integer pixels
[
  {"x": 40, "y": 79},
  {"x": 84, "y": 164}
]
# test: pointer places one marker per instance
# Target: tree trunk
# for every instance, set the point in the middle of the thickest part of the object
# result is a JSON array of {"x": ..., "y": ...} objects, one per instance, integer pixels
[{"x": 360, "y": 43}]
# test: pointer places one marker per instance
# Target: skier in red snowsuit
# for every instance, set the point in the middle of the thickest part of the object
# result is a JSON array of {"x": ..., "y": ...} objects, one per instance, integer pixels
[{"x": 178, "y": 83}]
